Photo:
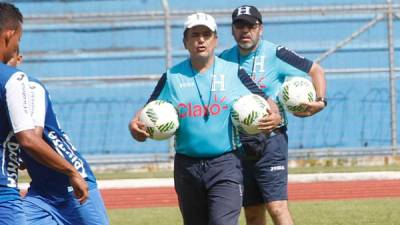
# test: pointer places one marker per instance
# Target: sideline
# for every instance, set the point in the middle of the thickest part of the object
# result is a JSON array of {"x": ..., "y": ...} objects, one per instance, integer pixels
[{"x": 293, "y": 178}]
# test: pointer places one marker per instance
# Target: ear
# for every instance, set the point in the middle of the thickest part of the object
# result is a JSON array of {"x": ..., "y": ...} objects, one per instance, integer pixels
[
  {"x": 261, "y": 30},
  {"x": 8, "y": 34},
  {"x": 19, "y": 59}
]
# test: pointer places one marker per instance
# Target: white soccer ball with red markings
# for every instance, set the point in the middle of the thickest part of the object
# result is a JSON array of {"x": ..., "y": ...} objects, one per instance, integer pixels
[
  {"x": 296, "y": 91},
  {"x": 160, "y": 118},
  {"x": 247, "y": 111}
]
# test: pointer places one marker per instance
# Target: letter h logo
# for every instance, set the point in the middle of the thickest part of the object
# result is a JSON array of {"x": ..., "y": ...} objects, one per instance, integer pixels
[
  {"x": 243, "y": 10},
  {"x": 218, "y": 83}
]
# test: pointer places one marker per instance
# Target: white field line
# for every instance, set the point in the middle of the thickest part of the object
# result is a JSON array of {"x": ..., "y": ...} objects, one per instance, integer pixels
[{"x": 293, "y": 178}]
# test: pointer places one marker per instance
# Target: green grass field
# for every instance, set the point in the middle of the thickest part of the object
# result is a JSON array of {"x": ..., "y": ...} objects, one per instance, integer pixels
[
  {"x": 301, "y": 170},
  {"x": 123, "y": 174},
  {"x": 345, "y": 212}
]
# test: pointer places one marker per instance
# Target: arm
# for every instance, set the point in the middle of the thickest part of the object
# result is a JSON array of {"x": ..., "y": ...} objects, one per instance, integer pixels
[
  {"x": 291, "y": 63},
  {"x": 273, "y": 119},
  {"x": 268, "y": 123},
  {"x": 36, "y": 147},
  {"x": 136, "y": 127},
  {"x": 318, "y": 79},
  {"x": 38, "y": 132},
  {"x": 20, "y": 105}
]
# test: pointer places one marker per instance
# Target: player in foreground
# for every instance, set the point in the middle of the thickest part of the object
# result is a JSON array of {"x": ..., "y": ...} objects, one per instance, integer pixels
[
  {"x": 207, "y": 170},
  {"x": 17, "y": 126},
  {"x": 50, "y": 199},
  {"x": 265, "y": 169}
]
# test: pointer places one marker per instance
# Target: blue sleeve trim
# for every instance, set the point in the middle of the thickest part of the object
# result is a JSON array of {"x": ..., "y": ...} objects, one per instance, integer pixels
[
  {"x": 157, "y": 90},
  {"x": 293, "y": 59},
  {"x": 249, "y": 83}
]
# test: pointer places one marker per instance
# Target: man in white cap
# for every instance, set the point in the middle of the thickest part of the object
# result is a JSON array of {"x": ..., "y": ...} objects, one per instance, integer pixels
[
  {"x": 207, "y": 170},
  {"x": 268, "y": 64}
]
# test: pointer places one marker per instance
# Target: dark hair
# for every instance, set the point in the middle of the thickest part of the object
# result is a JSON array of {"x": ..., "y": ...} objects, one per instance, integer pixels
[
  {"x": 185, "y": 33},
  {"x": 10, "y": 16}
]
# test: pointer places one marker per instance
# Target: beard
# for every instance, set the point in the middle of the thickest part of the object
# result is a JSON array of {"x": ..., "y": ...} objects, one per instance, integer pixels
[{"x": 248, "y": 45}]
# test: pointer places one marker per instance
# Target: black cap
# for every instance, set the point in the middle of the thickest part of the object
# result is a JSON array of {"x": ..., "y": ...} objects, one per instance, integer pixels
[{"x": 247, "y": 13}]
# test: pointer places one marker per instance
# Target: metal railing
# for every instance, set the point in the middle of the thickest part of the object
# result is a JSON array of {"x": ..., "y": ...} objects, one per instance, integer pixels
[{"x": 388, "y": 12}]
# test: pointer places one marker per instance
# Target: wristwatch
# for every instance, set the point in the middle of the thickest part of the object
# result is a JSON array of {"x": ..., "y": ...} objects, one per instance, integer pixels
[{"x": 321, "y": 99}]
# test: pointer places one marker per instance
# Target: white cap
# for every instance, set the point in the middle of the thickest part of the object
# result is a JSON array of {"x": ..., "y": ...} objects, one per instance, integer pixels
[{"x": 197, "y": 19}]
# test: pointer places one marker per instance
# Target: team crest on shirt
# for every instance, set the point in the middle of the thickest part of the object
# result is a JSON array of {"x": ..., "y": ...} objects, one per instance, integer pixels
[
  {"x": 218, "y": 82},
  {"x": 259, "y": 81},
  {"x": 258, "y": 72},
  {"x": 20, "y": 77}
]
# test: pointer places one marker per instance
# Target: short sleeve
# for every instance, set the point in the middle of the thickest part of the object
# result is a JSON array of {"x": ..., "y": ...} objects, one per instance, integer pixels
[
  {"x": 38, "y": 103},
  {"x": 290, "y": 63},
  {"x": 19, "y": 102}
]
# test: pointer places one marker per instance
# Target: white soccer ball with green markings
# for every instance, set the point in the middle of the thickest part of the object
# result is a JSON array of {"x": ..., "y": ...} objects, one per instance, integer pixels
[
  {"x": 247, "y": 111},
  {"x": 160, "y": 118},
  {"x": 294, "y": 92}
]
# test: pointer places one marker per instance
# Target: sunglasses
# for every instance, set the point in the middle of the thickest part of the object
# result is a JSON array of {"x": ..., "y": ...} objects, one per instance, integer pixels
[{"x": 241, "y": 25}]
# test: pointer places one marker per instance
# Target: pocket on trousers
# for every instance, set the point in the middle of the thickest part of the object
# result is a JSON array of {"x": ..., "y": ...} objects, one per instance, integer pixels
[{"x": 253, "y": 145}]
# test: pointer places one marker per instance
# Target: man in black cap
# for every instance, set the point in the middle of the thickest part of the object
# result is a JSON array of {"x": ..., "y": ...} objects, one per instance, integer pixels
[{"x": 268, "y": 64}]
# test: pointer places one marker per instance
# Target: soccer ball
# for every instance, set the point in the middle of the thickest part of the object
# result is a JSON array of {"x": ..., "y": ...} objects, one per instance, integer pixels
[
  {"x": 160, "y": 118},
  {"x": 247, "y": 111},
  {"x": 294, "y": 92}
]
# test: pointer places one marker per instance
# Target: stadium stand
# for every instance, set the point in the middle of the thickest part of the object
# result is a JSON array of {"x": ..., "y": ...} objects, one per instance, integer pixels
[{"x": 100, "y": 60}]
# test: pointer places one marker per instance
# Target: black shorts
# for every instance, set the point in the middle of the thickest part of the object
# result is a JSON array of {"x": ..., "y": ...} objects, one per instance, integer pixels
[
  {"x": 265, "y": 172},
  {"x": 209, "y": 190}
]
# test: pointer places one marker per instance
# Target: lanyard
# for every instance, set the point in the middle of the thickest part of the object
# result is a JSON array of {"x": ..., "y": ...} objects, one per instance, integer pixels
[
  {"x": 205, "y": 107},
  {"x": 252, "y": 75}
]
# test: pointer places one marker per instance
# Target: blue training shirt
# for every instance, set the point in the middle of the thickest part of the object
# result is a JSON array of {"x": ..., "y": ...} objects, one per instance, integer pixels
[
  {"x": 268, "y": 66},
  {"x": 15, "y": 117},
  {"x": 192, "y": 93},
  {"x": 44, "y": 179}
]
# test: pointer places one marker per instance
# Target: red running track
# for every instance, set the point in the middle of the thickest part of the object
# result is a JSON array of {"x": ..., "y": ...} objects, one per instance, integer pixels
[{"x": 163, "y": 197}]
